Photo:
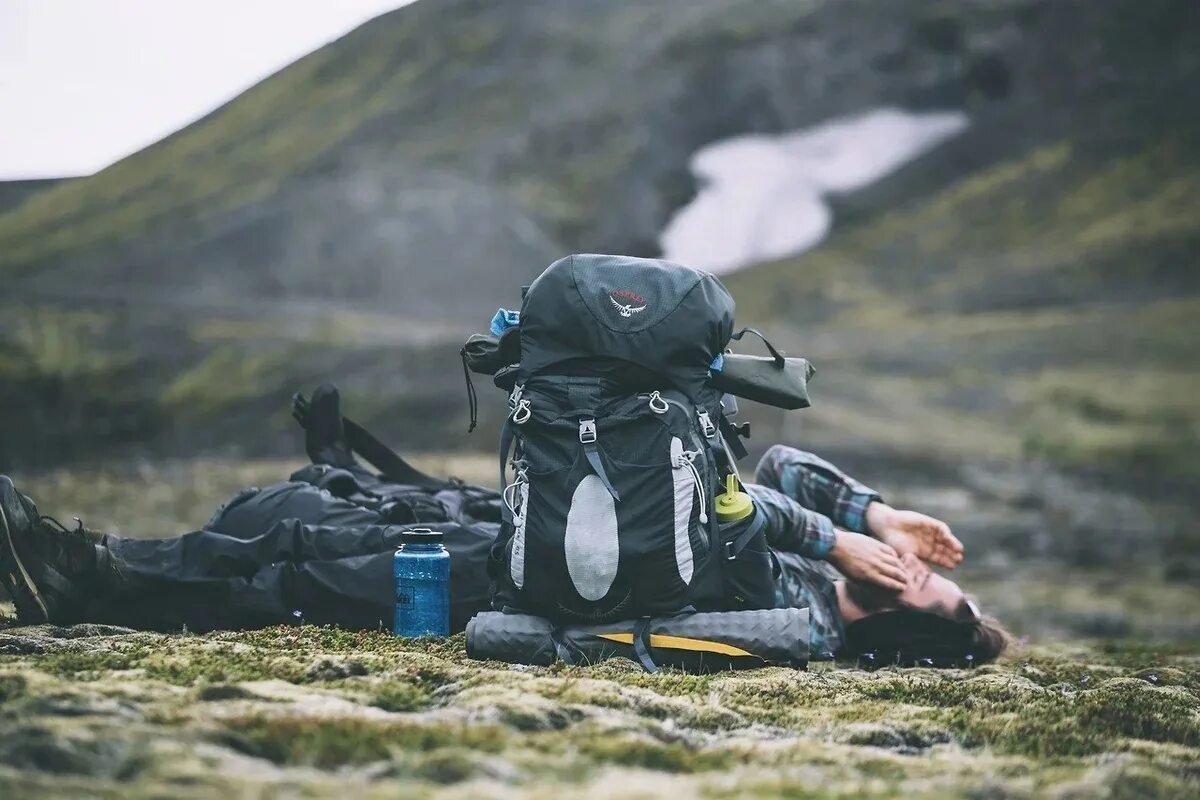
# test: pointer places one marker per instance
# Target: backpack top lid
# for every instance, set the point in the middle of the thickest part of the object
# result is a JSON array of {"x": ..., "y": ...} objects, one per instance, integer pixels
[{"x": 668, "y": 318}]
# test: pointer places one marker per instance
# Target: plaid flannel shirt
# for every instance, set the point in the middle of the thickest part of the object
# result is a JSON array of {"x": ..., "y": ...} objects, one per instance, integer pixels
[{"x": 804, "y": 498}]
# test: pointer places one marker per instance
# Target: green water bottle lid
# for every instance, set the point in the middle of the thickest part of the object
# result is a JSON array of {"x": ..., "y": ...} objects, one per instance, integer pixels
[{"x": 733, "y": 505}]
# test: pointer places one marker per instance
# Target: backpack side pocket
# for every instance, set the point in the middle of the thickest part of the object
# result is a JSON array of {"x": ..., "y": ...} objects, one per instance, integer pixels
[{"x": 748, "y": 579}]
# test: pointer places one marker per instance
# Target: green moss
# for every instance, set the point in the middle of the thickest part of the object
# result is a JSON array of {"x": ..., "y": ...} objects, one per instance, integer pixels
[
  {"x": 1074, "y": 715},
  {"x": 223, "y": 664},
  {"x": 329, "y": 743},
  {"x": 218, "y": 692},
  {"x": 12, "y": 686},
  {"x": 445, "y": 766},
  {"x": 1136, "y": 784},
  {"x": 402, "y": 697},
  {"x": 663, "y": 757},
  {"x": 85, "y": 662}
]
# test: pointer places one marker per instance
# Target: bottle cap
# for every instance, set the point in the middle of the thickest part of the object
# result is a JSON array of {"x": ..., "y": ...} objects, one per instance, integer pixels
[
  {"x": 732, "y": 504},
  {"x": 420, "y": 536}
]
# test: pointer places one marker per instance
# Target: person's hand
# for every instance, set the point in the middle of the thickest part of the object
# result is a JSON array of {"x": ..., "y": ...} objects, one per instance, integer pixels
[
  {"x": 912, "y": 532},
  {"x": 862, "y": 558}
]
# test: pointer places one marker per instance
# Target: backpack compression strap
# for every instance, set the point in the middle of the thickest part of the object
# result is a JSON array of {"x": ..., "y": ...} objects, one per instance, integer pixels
[
  {"x": 735, "y": 546},
  {"x": 587, "y": 437},
  {"x": 363, "y": 442}
]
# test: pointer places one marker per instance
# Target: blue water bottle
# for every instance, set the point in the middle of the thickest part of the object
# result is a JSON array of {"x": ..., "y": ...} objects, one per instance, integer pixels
[{"x": 422, "y": 571}]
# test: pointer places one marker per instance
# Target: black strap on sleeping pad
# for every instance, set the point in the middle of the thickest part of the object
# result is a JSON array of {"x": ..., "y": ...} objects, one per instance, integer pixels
[
  {"x": 780, "y": 361},
  {"x": 641, "y": 644},
  {"x": 738, "y": 544}
]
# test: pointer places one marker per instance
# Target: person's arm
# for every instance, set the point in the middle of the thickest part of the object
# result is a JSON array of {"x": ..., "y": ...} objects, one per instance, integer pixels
[
  {"x": 817, "y": 485},
  {"x": 791, "y": 527}
]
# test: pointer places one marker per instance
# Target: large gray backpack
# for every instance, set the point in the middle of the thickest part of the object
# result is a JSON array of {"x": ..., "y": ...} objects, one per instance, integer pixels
[{"x": 614, "y": 441}]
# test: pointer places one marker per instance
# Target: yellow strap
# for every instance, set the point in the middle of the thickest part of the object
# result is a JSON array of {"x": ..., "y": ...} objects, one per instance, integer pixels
[{"x": 679, "y": 643}]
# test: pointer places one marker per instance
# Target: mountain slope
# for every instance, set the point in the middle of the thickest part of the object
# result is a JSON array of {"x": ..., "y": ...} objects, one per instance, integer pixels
[
  {"x": 356, "y": 215},
  {"x": 1047, "y": 307},
  {"x": 490, "y": 138},
  {"x": 14, "y": 193}
]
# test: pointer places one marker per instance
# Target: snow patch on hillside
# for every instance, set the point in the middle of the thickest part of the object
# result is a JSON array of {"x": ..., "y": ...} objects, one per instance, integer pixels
[{"x": 762, "y": 197}]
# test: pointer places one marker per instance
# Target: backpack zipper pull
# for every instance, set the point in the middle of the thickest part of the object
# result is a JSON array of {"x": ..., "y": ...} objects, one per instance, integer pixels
[{"x": 657, "y": 404}]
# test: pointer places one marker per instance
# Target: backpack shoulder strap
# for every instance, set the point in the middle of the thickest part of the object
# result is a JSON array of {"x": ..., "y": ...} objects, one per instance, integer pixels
[
  {"x": 358, "y": 439},
  {"x": 386, "y": 460}
]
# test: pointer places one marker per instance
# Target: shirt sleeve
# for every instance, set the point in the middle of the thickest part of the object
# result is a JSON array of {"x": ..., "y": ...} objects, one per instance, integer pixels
[
  {"x": 791, "y": 527},
  {"x": 816, "y": 485}
]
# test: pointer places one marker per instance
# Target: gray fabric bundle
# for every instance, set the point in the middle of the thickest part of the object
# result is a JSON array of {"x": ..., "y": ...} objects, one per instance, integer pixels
[{"x": 698, "y": 642}]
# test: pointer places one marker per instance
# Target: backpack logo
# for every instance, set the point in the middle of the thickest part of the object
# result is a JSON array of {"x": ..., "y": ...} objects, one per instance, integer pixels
[{"x": 628, "y": 309}]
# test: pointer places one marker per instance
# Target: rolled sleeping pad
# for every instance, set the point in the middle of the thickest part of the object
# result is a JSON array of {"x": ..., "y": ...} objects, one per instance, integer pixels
[
  {"x": 698, "y": 643},
  {"x": 782, "y": 382}
]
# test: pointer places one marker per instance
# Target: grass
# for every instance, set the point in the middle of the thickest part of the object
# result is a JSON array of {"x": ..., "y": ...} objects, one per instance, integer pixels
[{"x": 1036, "y": 722}]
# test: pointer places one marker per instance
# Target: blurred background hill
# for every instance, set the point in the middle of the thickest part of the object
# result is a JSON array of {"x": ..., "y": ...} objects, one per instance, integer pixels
[{"x": 1017, "y": 303}]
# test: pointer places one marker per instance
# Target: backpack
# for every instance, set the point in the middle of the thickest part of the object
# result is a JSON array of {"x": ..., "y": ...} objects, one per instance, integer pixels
[{"x": 615, "y": 443}]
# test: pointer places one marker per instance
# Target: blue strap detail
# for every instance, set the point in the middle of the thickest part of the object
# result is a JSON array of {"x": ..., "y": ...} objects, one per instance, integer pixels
[
  {"x": 641, "y": 645},
  {"x": 593, "y": 457}
]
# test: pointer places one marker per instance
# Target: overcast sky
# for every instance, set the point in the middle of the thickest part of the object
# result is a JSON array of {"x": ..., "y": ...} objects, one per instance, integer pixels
[{"x": 86, "y": 82}]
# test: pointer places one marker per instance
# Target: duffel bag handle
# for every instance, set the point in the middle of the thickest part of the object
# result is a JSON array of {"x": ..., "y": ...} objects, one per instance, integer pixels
[{"x": 779, "y": 360}]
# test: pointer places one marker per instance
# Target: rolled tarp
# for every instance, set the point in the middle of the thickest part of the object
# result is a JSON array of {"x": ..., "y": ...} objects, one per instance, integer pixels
[
  {"x": 779, "y": 382},
  {"x": 698, "y": 642}
]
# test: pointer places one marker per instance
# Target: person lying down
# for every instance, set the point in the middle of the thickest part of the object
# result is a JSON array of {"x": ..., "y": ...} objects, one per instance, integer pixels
[{"x": 318, "y": 549}]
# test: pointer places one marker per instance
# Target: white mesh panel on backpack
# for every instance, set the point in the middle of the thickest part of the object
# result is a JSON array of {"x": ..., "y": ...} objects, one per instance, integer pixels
[
  {"x": 591, "y": 543},
  {"x": 685, "y": 493}
]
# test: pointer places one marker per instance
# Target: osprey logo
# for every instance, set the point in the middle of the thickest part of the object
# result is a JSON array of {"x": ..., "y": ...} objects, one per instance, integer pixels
[{"x": 629, "y": 308}]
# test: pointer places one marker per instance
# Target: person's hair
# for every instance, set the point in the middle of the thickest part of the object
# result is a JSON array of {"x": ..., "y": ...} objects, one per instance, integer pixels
[{"x": 907, "y": 637}]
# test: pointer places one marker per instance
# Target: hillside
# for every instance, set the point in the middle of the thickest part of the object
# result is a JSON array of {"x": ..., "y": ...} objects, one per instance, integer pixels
[
  {"x": 1048, "y": 308},
  {"x": 463, "y": 137},
  {"x": 14, "y": 193},
  {"x": 360, "y": 212}
]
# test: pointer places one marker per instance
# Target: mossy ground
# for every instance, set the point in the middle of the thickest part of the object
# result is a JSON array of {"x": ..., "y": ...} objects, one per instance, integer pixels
[{"x": 98, "y": 711}]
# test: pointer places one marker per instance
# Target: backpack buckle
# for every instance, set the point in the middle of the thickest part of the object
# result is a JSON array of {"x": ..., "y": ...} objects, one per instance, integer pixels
[
  {"x": 706, "y": 424},
  {"x": 587, "y": 431}
]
